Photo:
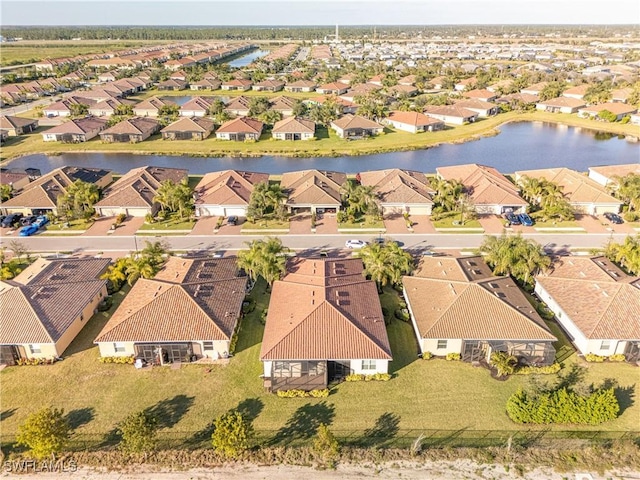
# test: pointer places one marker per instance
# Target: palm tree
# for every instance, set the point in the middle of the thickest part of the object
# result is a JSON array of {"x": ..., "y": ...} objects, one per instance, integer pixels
[
  {"x": 386, "y": 263},
  {"x": 270, "y": 117},
  {"x": 627, "y": 189},
  {"x": 139, "y": 267},
  {"x": 531, "y": 189},
  {"x": 265, "y": 258},
  {"x": 627, "y": 254},
  {"x": 155, "y": 252},
  {"x": 276, "y": 198},
  {"x": 504, "y": 363}
]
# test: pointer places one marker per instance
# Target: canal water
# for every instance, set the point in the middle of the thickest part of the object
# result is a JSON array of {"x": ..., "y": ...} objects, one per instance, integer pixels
[
  {"x": 247, "y": 59},
  {"x": 519, "y": 146}
]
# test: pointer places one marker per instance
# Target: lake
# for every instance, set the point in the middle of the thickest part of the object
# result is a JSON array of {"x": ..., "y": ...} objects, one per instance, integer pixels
[
  {"x": 247, "y": 59},
  {"x": 519, "y": 146}
]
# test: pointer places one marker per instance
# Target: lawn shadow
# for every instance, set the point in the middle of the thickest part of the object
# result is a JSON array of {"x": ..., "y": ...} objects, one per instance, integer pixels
[
  {"x": 7, "y": 413},
  {"x": 624, "y": 395},
  {"x": 572, "y": 378},
  {"x": 251, "y": 327},
  {"x": 304, "y": 423},
  {"x": 250, "y": 408},
  {"x": 168, "y": 412},
  {"x": 80, "y": 416},
  {"x": 321, "y": 132},
  {"x": 385, "y": 429}
]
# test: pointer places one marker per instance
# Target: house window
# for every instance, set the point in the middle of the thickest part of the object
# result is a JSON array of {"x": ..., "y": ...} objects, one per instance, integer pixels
[
  {"x": 119, "y": 348},
  {"x": 35, "y": 348},
  {"x": 207, "y": 345},
  {"x": 442, "y": 344},
  {"x": 605, "y": 345},
  {"x": 368, "y": 364}
]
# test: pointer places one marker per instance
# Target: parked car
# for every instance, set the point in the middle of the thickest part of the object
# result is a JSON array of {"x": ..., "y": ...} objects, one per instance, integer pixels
[
  {"x": 41, "y": 221},
  {"x": 613, "y": 218},
  {"x": 12, "y": 219},
  {"x": 355, "y": 244},
  {"x": 232, "y": 220},
  {"x": 525, "y": 219},
  {"x": 512, "y": 218},
  {"x": 28, "y": 220},
  {"x": 28, "y": 230}
]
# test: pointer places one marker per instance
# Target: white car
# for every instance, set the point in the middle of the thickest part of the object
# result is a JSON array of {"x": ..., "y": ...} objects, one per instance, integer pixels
[{"x": 355, "y": 244}]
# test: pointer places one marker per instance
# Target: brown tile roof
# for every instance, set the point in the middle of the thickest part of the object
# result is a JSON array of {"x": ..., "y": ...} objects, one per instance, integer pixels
[
  {"x": 153, "y": 103},
  {"x": 485, "y": 185},
  {"x": 294, "y": 125},
  {"x": 230, "y": 187},
  {"x": 9, "y": 122},
  {"x": 613, "y": 107},
  {"x": 450, "y": 111},
  {"x": 40, "y": 304},
  {"x": 399, "y": 186},
  {"x": 270, "y": 84},
  {"x": 196, "y": 299},
  {"x": 44, "y": 192},
  {"x": 577, "y": 188},
  {"x": 238, "y": 103},
  {"x": 611, "y": 171},
  {"x": 282, "y": 103},
  {"x": 241, "y": 125},
  {"x": 475, "y": 103},
  {"x": 238, "y": 82},
  {"x": 133, "y": 126},
  {"x": 336, "y": 315},
  {"x": 79, "y": 126},
  {"x": 9, "y": 177},
  {"x": 302, "y": 84},
  {"x": 333, "y": 86},
  {"x": 139, "y": 186},
  {"x": 563, "y": 102},
  {"x": 479, "y": 93},
  {"x": 313, "y": 187},
  {"x": 190, "y": 124},
  {"x": 198, "y": 104},
  {"x": 355, "y": 121},
  {"x": 413, "y": 118},
  {"x": 458, "y": 298},
  {"x": 600, "y": 299}
]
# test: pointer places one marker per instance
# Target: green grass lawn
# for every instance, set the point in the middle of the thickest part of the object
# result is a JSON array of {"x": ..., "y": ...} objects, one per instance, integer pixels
[
  {"x": 171, "y": 224},
  {"x": 266, "y": 224},
  {"x": 71, "y": 225},
  {"x": 423, "y": 395},
  {"x": 453, "y": 222},
  {"x": 366, "y": 221},
  {"x": 556, "y": 224}
]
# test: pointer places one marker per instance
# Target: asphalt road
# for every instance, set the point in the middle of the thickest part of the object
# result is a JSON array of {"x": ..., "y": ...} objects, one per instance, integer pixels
[{"x": 558, "y": 243}]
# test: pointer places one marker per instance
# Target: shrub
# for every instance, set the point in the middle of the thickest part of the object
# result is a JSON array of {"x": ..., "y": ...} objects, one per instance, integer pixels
[
  {"x": 36, "y": 361},
  {"x": 504, "y": 363},
  {"x": 325, "y": 443},
  {"x": 354, "y": 377},
  {"x": 453, "y": 356},
  {"x": 618, "y": 357},
  {"x": 121, "y": 218},
  {"x": 128, "y": 359},
  {"x": 563, "y": 406},
  {"x": 232, "y": 434},
  {"x": 361, "y": 377},
  {"x": 219, "y": 222},
  {"x": 149, "y": 218},
  {"x": 402, "y": 314},
  {"x": 263, "y": 316},
  {"x": 319, "y": 393},
  {"x": 631, "y": 216},
  {"x": 295, "y": 393},
  {"x": 592, "y": 357},
  {"x": 248, "y": 306},
  {"x": 546, "y": 370},
  {"x": 138, "y": 432},
  {"x": 105, "y": 304},
  {"x": 427, "y": 355},
  {"x": 45, "y": 432}
]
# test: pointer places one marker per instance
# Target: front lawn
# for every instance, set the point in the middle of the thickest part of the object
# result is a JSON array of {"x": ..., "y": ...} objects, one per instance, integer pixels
[
  {"x": 365, "y": 221},
  {"x": 170, "y": 224},
  {"x": 266, "y": 224},
  {"x": 556, "y": 224},
  {"x": 79, "y": 224},
  {"x": 453, "y": 221}
]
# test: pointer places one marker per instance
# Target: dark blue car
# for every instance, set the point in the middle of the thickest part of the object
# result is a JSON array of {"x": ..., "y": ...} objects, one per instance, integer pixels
[
  {"x": 512, "y": 218},
  {"x": 525, "y": 220}
]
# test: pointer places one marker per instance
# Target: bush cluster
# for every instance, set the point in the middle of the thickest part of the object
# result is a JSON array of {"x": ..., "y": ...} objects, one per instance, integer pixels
[
  {"x": 453, "y": 356},
  {"x": 546, "y": 370},
  {"x": 427, "y": 355},
  {"x": 36, "y": 361},
  {"x": 122, "y": 360},
  {"x": 563, "y": 406},
  {"x": 294, "y": 393},
  {"x": 594, "y": 358},
  {"x": 361, "y": 377}
]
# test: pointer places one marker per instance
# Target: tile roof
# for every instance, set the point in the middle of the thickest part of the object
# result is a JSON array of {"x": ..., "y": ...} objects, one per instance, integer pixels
[
  {"x": 197, "y": 104},
  {"x": 485, "y": 185},
  {"x": 399, "y": 186},
  {"x": 40, "y": 304},
  {"x": 563, "y": 102},
  {"x": 190, "y": 124},
  {"x": 450, "y": 111},
  {"x": 600, "y": 299},
  {"x": 459, "y": 298},
  {"x": 577, "y": 188},
  {"x": 617, "y": 108},
  {"x": 191, "y": 299},
  {"x": 336, "y": 315},
  {"x": 79, "y": 126},
  {"x": 153, "y": 103},
  {"x": 355, "y": 121},
  {"x": 294, "y": 125},
  {"x": 133, "y": 126},
  {"x": 241, "y": 125},
  {"x": 139, "y": 186},
  {"x": 313, "y": 187},
  {"x": 610, "y": 171},
  {"x": 9, "y": 122},
  {"x": 230, "y": 187},
  {"x": 413, "y": 118}
]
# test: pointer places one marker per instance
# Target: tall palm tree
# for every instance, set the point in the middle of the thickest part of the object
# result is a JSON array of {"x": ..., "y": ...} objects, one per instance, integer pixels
[
  {"x": 265, "y": 258},
  {"x": 139, "y": 267},
  {"x": 627, "y": 189},
  {"x": 386, "y": 263}
]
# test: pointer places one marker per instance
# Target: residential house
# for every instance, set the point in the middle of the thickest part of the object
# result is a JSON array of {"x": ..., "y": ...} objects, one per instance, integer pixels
[
  {"x": 333, "y": 329},
  {"x": 110, "y": 76},
  {"x": 226, "y": 193},
  {"x": 577, "y": 92},
  {"x": 595, "y": 303},
  {"x": 188, "y": 311},
  {"x": 46, "y": 306},
  {"x": 238, "y": 106},
  {"x": 560, "y": 105},
  {"x": 400, "y": 191},
  {"x": 534, "y": 89},
  {"x": 482, "y": 108},
  {"x": 15, "y": 178},
  {"x": 621, "y": 95},
  {"x": 584, "y": 194},
  {"x": 40, "y": 196},
  {"x": 452, "y": 114},
  {"x": 194, "y": 128},
  {"x": 109, "y": 107},
  {"x": 151, "y": 107},
  {"x": 133, "y": 194},
  {"x": 75, "y": 130},
  {"x": 132, "y": 130},
  {"x": 620, "y": 110},
  {"x": 335, "y": 88},
  {"x": 206, "y": 84},
  {"x": 63, "y": 108},
  {"x": 196, "y": 107},
  {"x": 310, "y": 190},
  {"x": 268, "y": 86},
  {"x": 356, "y": 127},
  {"x": 606, "y": 174},
  {"x": 172, "y": 84},
  {"x": 179, "y": 75},
  {"x": 413, "y": 122},
  {"x": 301, "y": 86},
  {"x": 458, "y": 306},
  {"x": 517, "y": 99},
  {"x": 465, "y": 84},
  {"x": 240, "y": 129},
  {"x": 237, "y": 84},
  {"x": 344, "y": 106},
  {"x": 403, "y": 90},
  {"x": 490, "y": 191},
  {"x": 294, "y": 128},
  {"x": 284, "y": 105},
  {"x": 16, "y": 126},
  {"x": 482, "y": 94}
]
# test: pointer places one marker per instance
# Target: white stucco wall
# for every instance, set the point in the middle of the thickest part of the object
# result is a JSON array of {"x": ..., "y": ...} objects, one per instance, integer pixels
[
  {"x": 454, "y": 345},
  {"x": 382, "y": 366}
]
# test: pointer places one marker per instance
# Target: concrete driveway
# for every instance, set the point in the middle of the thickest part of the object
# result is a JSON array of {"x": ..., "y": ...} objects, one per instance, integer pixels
[
  {"x": 204, "y": 226},
  {"x": 300, "y": 224},
  {"x": 327, "y": 223}
]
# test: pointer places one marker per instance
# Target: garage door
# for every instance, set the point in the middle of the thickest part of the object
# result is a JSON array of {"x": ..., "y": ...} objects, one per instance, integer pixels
[{"x": 239, "y": 212}]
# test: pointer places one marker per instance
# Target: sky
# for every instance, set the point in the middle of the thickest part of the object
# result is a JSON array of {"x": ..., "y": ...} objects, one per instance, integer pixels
[{"x": 318, "y": 12}]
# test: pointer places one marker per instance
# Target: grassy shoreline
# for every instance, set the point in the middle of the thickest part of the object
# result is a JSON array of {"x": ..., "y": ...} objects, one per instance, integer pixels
[{"x": 328, "y": 145}]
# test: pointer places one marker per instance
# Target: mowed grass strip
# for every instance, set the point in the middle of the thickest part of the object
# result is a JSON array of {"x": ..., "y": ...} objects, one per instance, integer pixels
[{"x": 423, "y": 395}]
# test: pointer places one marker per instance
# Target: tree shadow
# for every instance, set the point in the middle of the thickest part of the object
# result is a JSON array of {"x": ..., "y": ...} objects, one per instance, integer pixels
[
  {"x": 321, "y": 132},
  {"x": 250, "y": 408},
  {"x": 572, "y": 378},
  {"x": 304, "y": 423},
  {"x": 7, "y": 413},
  {"x": 385, "y": 428},
  {"x": 80, "y": 416},
  {"x": 624, "y": 395},
  {"x": 168, "y": 412}
]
